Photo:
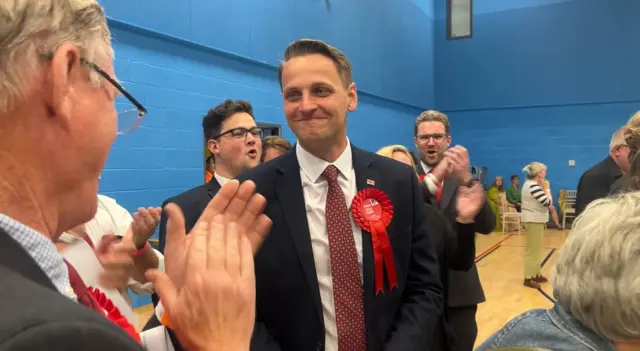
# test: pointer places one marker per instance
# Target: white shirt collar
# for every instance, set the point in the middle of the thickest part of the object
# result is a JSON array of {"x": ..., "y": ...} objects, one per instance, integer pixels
[
  {"x": 425, "y": 167},
  {"x": 313, "y": 166},
  {"x": 221, "y": 180}
]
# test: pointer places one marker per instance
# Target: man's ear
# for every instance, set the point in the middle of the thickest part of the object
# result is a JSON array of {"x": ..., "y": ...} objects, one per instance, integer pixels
[
  {"x": 213, "y": 146},
  {"x": 353, "y": 97},
  {"x": 64, "y": 71}
]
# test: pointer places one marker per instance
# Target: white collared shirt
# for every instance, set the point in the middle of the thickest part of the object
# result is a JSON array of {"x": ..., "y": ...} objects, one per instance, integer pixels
[
  {"x": 221, "y": 180},
  {"x": 314, "y": 189},
  {"x": 425, "y": 167},
  {"x": 432, "y": 185}
]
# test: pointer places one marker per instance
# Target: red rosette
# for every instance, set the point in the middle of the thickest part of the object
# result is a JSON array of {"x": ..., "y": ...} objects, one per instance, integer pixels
[
  {"x": 373, "y": 211},
  {"x": 113, "y": 313}
]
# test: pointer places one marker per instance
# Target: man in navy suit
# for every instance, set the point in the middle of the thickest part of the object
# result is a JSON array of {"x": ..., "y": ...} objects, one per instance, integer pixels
[{"x": 317, "y": 282}]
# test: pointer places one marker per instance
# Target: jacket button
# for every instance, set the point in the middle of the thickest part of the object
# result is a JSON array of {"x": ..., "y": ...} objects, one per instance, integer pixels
[{"x": 320, "y": 346}]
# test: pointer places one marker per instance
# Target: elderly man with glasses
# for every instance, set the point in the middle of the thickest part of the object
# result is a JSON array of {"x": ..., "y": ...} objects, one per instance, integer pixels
[{"x": 58, "y": 94}]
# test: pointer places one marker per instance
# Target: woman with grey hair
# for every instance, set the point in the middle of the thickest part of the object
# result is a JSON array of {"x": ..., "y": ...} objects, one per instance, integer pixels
[
  {"x": 596, "y": 283},
  {"x": 536, "y": 202}
]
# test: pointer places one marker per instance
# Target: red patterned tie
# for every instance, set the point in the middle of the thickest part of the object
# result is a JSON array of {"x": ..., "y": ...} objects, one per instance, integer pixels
[{"x": 345, "y": 271}]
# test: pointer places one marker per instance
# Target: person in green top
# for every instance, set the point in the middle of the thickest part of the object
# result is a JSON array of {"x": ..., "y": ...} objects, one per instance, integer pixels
[
  {"x": 493, "y": 197},
  {"x": 514, "y": 194}
]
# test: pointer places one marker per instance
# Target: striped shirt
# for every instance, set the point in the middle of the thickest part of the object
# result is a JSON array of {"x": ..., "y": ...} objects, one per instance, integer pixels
[
  {"x": 538, "y": 193},
  {"x": 535, "y": 203}
]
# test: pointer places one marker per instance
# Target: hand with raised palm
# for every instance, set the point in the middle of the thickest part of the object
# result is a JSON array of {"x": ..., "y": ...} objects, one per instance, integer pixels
[
  {"x": 208, "y": 291},
  {"x": 470, "y": 201}
]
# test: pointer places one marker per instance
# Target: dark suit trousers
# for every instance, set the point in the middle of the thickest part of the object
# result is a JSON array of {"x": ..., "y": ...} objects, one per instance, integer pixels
[{"x": 462, "y": 321}]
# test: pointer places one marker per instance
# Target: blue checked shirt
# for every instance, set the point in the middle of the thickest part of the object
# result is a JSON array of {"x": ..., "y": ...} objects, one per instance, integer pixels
[{"x": 42, "y": 250}]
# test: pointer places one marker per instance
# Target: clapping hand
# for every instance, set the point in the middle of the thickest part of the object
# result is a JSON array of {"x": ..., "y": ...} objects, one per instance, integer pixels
[
  {"x": 458, "y": 156},
  {"x": 208, "y": 290},
  {"x": 469, "y": 202},
  {"x": 443, "y": 169},
  {"x": 115, "y": 257},
  {"x": 145, "y": 222}
]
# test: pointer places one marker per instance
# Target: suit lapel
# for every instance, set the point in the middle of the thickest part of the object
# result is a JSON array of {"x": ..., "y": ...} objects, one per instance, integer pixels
[
  {"x": 448, "y": 190},
  {"x": 213, "y": 187},
  {"x": 291, "y": 199},
  {"x": 366, "y": 177},
  {"x": 16, "y": 259}
]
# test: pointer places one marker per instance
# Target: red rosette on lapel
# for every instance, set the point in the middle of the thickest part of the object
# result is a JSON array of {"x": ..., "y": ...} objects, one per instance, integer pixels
[
  {"x": 373, "y": 211},
  {"x": 113, "y": 313}
]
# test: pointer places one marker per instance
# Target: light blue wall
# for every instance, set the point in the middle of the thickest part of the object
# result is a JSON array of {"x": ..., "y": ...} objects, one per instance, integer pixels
[{"x": 541, "y": 80}]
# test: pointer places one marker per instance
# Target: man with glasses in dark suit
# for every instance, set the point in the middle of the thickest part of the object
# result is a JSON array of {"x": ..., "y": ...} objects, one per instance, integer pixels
[
  {"x": 443, "y": 170},
  {"x": 235, "y": 141}
]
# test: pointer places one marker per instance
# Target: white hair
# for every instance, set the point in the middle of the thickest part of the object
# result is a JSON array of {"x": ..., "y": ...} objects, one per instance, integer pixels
[
  {"x": 32, "y": 28},
  {"x": 533, "y": 169},
  {"x": 597, "y": 276},
  {"x": 617, "y": 138}
]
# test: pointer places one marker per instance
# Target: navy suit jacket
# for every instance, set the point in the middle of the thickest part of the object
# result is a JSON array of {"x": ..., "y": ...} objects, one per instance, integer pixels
[
  {"x": 288, "y": 298},
  {"x": 192, "y": 203}
]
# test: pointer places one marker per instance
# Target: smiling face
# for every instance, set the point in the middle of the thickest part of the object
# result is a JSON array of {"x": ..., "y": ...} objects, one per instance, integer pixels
[{"x": 316, "y": 101}]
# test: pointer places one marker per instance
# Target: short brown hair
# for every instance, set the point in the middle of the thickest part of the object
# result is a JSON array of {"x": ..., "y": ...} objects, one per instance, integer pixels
[
  {"x": 276, "y": 142},
  {"x": 212, "y": 121},
  {"x": 304, "y": 47},
  {"x": 432, "y": 116}
]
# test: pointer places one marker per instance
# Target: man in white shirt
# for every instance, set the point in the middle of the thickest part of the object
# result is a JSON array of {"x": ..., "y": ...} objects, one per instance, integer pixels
[{"x": 324, "y": 280}]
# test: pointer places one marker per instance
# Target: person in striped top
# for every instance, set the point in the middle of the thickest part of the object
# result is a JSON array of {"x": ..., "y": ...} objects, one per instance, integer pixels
[{"x": 536, "y": 203}]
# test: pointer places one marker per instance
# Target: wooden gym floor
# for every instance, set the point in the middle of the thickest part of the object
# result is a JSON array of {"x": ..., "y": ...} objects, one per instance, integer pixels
[{"x": 500, "y": 264}]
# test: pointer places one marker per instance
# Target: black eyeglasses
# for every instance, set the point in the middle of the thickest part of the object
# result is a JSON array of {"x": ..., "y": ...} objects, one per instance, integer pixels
[
  {"x": 128, "y": 119},
  {"x": 241, "y": 133},
  {"x": 437, "y": 137}
]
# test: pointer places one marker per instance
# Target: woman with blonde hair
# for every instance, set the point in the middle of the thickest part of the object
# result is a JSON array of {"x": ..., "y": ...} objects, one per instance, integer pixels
[
  {"x": 398, "y": 153},
  {"x": 536, "y": 203}
]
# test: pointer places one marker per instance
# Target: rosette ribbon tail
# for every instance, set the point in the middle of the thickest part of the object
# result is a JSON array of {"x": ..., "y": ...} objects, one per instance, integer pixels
[{"x": 383, "y": 254}]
